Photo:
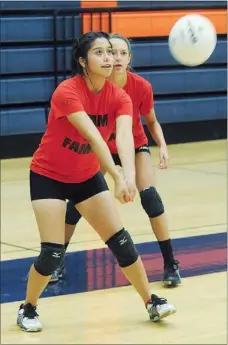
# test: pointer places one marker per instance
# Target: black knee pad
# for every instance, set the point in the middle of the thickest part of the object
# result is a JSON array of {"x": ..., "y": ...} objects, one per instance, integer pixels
[
  {"x": 72, "y": 214},
  {"x": 123, "y": 248},
  {"x": 51, "y": 256},
  {"x": 151, "y": 202}
]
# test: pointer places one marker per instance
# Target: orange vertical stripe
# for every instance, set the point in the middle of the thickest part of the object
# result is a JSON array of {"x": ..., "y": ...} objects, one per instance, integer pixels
[{"x": 98, "y": 22}]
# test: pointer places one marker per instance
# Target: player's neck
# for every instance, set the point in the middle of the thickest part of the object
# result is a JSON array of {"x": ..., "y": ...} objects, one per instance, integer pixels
[
  {"x": 119, "y": 79},
  {"x": 95, "y": 85}
]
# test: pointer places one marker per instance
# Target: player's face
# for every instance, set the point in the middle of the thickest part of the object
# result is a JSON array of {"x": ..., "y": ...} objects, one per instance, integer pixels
[
  {"x": 121, "y": 55},
  {"x": 100, "y": 58}
]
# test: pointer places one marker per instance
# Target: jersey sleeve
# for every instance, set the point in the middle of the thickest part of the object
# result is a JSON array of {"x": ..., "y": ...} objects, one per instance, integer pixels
[
  {"x": 147, "y": 99},
  {"x": 65, "y": 102},
  {"x": 123, "y": 104}
]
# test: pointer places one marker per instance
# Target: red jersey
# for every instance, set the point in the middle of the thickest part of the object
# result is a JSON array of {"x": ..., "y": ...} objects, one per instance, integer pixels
[
  {"x": 64, "y": 154},
  {"x": 141, "y": 94}
]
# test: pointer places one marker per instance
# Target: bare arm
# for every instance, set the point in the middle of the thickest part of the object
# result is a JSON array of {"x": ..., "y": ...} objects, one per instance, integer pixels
[
  {"x": 125, "y": 145},
  {"x": 157, "y": 134},
  {"x": 155, "y": 128},
  {"x": 85, "y": 126},
  {"x": 126, "y": 151}
]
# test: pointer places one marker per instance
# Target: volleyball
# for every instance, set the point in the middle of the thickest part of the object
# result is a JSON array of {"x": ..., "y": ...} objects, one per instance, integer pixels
[{"x": 192, "y": 40}]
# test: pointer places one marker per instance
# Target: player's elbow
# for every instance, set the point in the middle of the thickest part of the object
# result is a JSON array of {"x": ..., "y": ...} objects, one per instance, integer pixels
[{"x": 150, "y": 119}]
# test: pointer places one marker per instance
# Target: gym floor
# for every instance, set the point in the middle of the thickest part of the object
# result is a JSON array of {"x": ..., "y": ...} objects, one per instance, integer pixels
[{"x": 95, "y": 304}]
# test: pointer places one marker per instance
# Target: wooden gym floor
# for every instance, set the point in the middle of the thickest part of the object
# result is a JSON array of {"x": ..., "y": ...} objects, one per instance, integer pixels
[{"x": 100, "y": 311}]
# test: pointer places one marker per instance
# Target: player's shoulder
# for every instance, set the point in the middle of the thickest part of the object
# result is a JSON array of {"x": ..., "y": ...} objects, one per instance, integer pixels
[
  {"x": 139, "y": 81},
  {"x": 71, "y": 85}
]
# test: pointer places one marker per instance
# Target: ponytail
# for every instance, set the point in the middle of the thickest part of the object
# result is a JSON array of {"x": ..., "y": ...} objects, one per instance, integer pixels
[{"x": 75, "y": 65}]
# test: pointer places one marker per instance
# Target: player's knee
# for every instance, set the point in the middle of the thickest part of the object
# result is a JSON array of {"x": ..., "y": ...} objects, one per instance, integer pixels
[
  {"x": 123, "y": 248},
  {"x": 151, "y": 202},
  {"x": 50, "y": 258},
  {"x": 72, "y": 214}
]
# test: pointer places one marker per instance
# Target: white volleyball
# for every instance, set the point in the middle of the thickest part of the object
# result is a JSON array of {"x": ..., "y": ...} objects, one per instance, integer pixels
[{"x": 192, "y": 40}]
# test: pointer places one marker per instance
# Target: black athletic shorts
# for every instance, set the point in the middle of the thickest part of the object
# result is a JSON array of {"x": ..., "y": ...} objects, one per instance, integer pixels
[
  {"x": 116, "y": 158},
  {"x": 42, "y": 187}
]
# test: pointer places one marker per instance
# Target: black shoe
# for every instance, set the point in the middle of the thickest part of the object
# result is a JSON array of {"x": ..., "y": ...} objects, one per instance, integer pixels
[
  {"x": 159, "y": 308},
  {"x": 171, "y": 274}
]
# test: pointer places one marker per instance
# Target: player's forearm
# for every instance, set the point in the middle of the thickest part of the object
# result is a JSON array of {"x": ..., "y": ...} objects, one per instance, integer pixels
[
  {"x": 103, "y": 154},
  {"x": 126, "y": 151},
  {"x": 156, "y": 133}
]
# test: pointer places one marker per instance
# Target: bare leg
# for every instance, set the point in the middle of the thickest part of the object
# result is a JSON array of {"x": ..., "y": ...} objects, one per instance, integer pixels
[
  {"x": 50, "y": 217},
  {"x": 145, "y": 177},
  {"x": 101, "y": 214},
  {"x": 146, "y": 185}
]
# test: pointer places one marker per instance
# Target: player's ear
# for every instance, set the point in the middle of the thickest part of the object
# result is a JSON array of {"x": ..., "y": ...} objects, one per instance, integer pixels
[{"x": 82, "y": 62}]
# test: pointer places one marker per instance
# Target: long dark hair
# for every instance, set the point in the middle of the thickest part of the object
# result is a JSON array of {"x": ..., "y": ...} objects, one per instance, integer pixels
[{"x": 81, "y": 47}]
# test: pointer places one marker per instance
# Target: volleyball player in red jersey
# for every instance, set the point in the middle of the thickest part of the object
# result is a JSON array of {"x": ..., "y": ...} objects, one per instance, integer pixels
[
  {"x": 84, "y": 110},
  {"x": 141, "y": 94}
]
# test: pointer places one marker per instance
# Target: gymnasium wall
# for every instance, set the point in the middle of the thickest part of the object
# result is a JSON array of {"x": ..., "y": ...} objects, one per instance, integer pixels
[{"x": 191, "y": 103}]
